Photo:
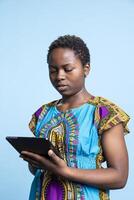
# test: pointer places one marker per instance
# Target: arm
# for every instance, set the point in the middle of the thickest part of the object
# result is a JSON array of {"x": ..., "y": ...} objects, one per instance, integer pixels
[{"x": 115, "y": 176}]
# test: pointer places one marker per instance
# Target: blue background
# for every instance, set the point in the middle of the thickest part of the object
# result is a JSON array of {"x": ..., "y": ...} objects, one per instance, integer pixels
[{"x": 27, "y": 28}]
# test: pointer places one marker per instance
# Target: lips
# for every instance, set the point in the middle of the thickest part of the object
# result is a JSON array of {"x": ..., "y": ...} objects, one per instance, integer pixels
[{"x": 61, "y": 87}]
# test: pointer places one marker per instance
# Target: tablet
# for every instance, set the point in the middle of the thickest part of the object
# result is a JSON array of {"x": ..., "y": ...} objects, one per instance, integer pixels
[{"x": 36, "y": 145}]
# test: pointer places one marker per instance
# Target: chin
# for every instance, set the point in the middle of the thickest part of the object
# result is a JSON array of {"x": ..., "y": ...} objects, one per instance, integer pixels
[{"x": 65, "y": 93}]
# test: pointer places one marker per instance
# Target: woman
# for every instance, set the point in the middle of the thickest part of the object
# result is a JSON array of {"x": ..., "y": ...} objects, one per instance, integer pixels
[{"x": 87, "y": 131}]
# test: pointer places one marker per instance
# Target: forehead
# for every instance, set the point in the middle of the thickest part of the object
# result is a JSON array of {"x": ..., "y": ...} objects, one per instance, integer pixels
[{"x": 61, "y": 56}]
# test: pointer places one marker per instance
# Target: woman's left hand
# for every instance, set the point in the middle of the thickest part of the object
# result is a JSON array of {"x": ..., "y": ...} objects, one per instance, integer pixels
[{"x": 54, "y": 164}]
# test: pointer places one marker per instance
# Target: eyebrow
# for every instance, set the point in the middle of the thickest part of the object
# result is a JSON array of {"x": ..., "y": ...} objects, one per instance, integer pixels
[{"x": 55, "y": 66}]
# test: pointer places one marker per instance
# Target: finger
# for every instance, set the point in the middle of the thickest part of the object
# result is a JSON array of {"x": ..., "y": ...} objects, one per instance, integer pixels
[
  {"x": 28, "y": 153},
  {"x": 54, "y": 157},
  {"x": 32, "y": 156},
  {"x": 32, "y": 162},
  {"x": 26, "y": 159},
  {"x": 34, "y": 165},
  {"x": 37, "y": 159}
]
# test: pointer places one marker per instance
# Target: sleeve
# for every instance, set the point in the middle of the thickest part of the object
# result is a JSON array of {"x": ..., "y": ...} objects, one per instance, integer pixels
[
  {"x": 34, "y": 120},
  {"x": 108, "y": 115}
]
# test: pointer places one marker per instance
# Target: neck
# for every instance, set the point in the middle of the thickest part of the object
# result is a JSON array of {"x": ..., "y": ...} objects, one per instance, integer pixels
[{"x": 80, "y": 97}]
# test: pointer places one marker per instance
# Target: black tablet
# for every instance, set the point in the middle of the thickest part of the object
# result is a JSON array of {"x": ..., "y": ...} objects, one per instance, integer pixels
[{"x": 36, "y": 145}]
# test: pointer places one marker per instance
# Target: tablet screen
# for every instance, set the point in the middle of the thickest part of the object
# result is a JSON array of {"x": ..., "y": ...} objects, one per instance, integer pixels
[{"x": 36, "y": 145}]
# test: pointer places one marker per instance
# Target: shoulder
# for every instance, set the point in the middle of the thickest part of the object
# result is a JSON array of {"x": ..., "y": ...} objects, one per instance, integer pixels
[
  {"x": 46, "y": 106},
  {"x": 108, "y": 114},
  {"x": 42, "y": 110}
]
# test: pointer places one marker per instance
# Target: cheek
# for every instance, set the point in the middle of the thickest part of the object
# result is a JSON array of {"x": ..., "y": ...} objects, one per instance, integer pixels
[
  {"x": 77, "y": 77},
  {"x": 51, "y": 80},
  {"x": 77, "y": 83},
  {"x": 51, "y": 77}
]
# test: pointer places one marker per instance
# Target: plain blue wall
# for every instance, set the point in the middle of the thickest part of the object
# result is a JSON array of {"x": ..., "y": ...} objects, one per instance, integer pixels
[{"x": 27, "y": 28}]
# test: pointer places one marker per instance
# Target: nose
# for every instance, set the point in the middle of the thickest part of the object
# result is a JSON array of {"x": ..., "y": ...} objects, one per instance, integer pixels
[{"x": 60, "y": 75}]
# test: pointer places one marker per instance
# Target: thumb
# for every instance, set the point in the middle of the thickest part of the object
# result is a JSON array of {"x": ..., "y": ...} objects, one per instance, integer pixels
[{"x": 53, "y": 156}]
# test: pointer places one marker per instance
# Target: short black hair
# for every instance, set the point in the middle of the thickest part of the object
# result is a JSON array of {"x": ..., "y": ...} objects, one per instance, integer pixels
[{"x": 72, "y": 42}]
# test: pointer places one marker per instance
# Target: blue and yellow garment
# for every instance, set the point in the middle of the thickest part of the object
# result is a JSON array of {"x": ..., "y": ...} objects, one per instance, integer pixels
[{"x": 76, "y": 133}]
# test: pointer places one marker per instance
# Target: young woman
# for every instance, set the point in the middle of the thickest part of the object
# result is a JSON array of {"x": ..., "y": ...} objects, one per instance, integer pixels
[{"x": 87, "y": 130}]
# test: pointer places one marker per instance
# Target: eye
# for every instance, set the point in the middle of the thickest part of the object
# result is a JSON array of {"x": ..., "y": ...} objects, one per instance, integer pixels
[
  {"x": 53, "y": 71},
  {"x": 69, "y": 69}
]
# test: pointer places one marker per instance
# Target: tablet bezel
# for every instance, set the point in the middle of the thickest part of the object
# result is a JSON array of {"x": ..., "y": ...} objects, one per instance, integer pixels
[{"x": 39, "y": 146}]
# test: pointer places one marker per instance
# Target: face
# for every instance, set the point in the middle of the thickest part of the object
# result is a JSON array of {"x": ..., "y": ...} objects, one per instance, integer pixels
[{"x": 66, "y": 71}]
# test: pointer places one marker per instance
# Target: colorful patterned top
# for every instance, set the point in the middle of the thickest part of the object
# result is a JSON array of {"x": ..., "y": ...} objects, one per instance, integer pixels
[{"x": 76, "y": 133}]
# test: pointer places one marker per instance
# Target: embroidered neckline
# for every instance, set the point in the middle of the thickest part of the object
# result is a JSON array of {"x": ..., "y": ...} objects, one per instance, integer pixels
[{"x": 92, "y": 100}]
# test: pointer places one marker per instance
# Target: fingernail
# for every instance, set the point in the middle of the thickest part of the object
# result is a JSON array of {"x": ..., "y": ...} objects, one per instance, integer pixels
[{"x": 50, "y": 152}]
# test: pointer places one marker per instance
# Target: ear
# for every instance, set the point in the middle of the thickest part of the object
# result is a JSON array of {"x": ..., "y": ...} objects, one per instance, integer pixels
[{"x": 86, "y": 69}]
